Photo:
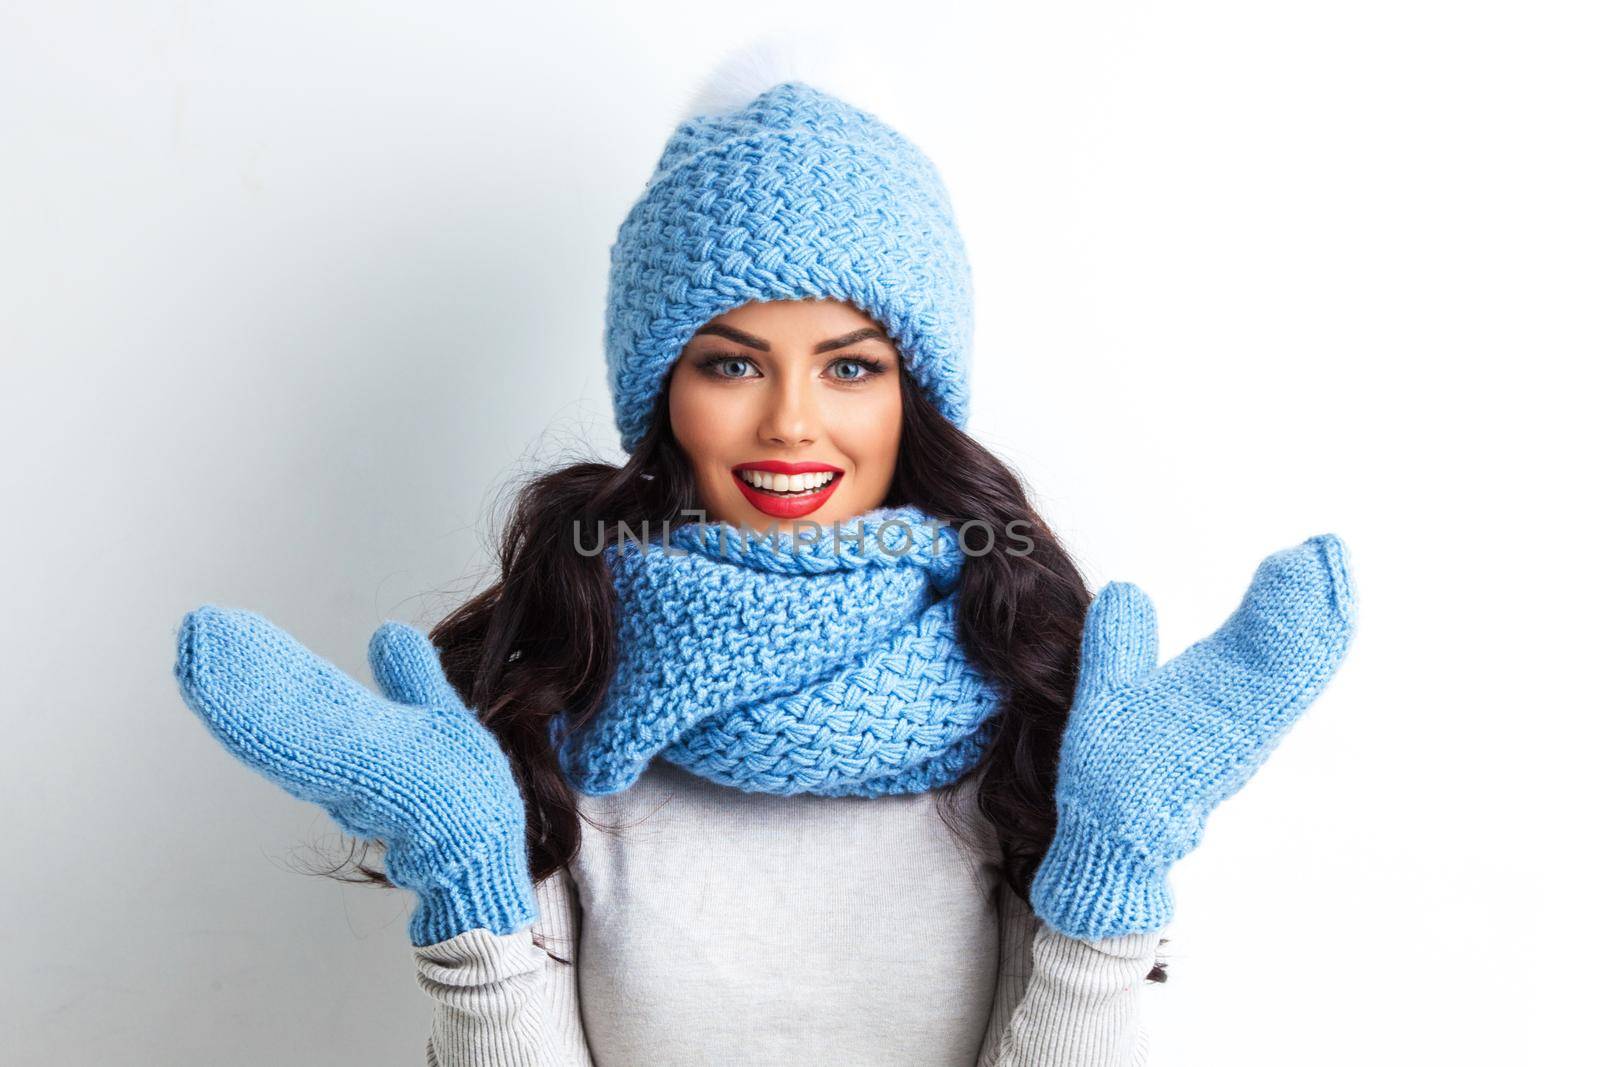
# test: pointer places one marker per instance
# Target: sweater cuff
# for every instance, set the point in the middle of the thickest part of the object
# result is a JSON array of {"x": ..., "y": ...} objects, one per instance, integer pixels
[{"x": 1089, "y": 887}]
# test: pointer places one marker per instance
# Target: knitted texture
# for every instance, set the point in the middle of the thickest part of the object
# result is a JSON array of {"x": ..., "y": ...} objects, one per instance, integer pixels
[
  {"x": 1149, "y": 752},
  {"x": 798, "y": 195},
  {"x": 781, "y": 664},
  {"x": 414, "y": 768}
]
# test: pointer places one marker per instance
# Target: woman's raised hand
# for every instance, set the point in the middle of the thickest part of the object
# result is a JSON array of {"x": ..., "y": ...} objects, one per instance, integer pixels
[
  {"x": 1149, "y": 751},
  {"x": 413, "y": 768}
]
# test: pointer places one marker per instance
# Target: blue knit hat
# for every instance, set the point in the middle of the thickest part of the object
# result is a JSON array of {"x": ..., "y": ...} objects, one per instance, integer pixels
[{"x": 797, "y": 195}]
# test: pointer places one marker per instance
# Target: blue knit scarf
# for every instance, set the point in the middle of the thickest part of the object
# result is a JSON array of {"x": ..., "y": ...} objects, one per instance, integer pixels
[{"x": 789, "y": 664}]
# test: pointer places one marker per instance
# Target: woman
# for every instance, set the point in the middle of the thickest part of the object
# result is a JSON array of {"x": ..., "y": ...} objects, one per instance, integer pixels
[{"x": 802, "y": 667}]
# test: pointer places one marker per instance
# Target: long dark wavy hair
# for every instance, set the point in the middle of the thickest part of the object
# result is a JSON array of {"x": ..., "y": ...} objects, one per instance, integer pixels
[{"x": 540, "y": 639}]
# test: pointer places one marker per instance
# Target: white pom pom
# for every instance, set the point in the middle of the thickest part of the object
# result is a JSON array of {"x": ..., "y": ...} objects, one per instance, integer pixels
[{"x": 826, "y": 60}]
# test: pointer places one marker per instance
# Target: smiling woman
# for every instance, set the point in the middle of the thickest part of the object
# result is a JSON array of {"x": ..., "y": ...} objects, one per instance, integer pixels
[
  {"x": 845, "y": 814},
  {"x": 788, "y": 409}
]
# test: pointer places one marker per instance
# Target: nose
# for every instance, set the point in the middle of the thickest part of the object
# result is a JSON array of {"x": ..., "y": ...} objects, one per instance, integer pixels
[{"x": 791, "y": 418}]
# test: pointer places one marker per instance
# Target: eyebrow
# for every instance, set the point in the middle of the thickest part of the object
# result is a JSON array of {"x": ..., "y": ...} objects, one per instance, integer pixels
[{"x": 750, "y": 340}]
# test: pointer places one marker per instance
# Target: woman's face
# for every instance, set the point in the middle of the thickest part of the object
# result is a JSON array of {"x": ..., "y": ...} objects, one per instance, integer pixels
[{"x": 792, "y": 390}]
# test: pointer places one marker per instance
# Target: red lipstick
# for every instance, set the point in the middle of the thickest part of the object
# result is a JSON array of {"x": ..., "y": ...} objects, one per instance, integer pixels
[{"x": 786, "y": 505}]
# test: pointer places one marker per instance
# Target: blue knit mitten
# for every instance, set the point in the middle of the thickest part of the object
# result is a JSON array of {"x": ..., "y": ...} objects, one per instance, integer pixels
[
  {"x": 417, "y": 771},
  {"x": 1149, "y": 751}
]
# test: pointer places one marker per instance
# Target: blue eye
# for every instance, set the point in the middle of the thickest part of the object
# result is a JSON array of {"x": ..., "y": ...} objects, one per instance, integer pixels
[
  {"x": 714, "y": 364},
  {"x": 868, "y": 368}
]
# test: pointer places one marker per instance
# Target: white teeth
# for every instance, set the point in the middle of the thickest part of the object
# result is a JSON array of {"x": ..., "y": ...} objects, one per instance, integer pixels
[{"x": 787, "y": 483}]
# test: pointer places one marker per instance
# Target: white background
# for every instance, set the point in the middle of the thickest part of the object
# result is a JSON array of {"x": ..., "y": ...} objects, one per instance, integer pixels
[{"x": 290, "y": 292}]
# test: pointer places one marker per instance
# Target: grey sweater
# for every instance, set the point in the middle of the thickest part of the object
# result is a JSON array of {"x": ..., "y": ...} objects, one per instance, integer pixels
[{"x": 710, "y": 926}]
